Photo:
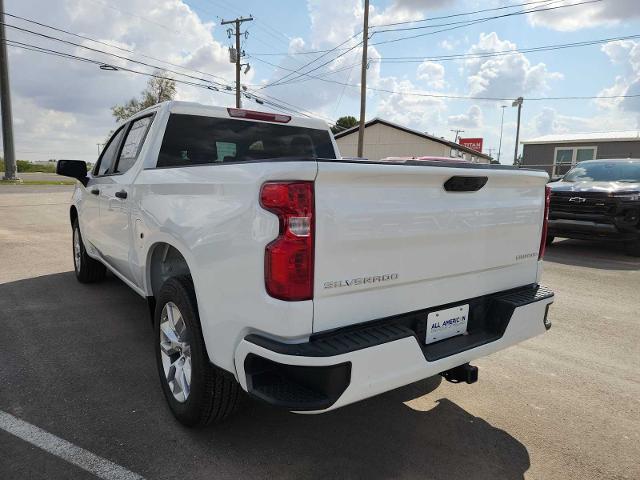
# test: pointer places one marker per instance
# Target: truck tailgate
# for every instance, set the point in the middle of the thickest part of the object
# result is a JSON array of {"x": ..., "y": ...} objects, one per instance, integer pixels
[{"x": 390, "y": 238}]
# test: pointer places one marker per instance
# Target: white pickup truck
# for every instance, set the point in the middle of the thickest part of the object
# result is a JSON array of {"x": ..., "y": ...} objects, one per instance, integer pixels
[{"x": 310, "y": 281}]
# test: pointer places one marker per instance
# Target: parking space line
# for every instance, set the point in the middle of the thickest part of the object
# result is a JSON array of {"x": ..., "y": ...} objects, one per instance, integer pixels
[{"x": 100, "y": 467}]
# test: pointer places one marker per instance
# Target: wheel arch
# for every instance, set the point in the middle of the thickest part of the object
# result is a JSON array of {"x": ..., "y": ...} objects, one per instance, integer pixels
[{"x": 164, "y": 260}]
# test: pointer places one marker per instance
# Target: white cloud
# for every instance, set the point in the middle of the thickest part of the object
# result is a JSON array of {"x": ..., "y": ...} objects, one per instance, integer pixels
[
  {"x": 404, "y": 11},
  {"x": 62, "y": 107},
  {"x": 627, "y": 54},
  {"x": 585, "y": 16},
  {"x": 549, "y": 121},
  {"x": 432, "y": 74},
  {"x": 448, "y": 44},
  {"x": 471, "y": 119},
  {"x": 420, "y": 113},
  {"x": 504, "y": 76}
]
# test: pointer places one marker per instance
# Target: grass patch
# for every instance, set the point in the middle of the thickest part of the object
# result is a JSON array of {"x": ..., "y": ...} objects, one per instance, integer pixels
[
  {"x": 27, "y": 166},
  {"x": 37, "y": 182}
]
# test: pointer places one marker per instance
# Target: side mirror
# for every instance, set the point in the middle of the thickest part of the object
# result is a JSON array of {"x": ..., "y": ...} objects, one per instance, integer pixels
[{"x": 73, "y": 168}]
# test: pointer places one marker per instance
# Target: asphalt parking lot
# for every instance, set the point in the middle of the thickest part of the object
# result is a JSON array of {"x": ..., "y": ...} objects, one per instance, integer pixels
[{"x": 77, "y": 362}]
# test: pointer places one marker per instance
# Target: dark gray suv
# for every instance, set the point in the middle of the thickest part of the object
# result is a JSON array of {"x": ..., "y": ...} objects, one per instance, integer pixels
[{"x": 598, "y": 199}]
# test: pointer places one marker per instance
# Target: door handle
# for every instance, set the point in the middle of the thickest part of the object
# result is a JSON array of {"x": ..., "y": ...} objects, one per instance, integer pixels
[
  {"x": 95, "y": 191},
  {"x": 121, "y": 194}
]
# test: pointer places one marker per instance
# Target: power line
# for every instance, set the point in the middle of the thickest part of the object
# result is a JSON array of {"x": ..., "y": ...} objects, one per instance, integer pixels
[
  {"x": 75, "y": 57},
  {"x": 36, "y": 48},
  {"x": 492, "y": 17},
  {"x": 280, "y": 80},
  {"x": 311, "y": 52},
  {"x": 84, "y": 37},
  {"x": 462, "y": 14},
  {"x": 50, "y": 37},
  {"x": 291, "y": 108},
  {"x": 542, "y": 48},
  {"x": 300, "y": 110},
  {"x": 35, "y": 22},
  {"x": 318, "y": 77},
  {"x": 307, "y": 73},
  {"x": 457, "y": 97},
  {"x": 476, "y": 21}
]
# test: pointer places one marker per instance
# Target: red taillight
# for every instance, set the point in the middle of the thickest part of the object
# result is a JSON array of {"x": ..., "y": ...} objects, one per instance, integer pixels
[
  {"x": 288, "y": 260},
  {"x": 253, "y": 115},
  {"x": 545, "y": 221}
]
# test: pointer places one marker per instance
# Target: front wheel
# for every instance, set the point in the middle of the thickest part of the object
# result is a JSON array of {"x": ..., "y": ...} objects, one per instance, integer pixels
[
  {"x": 87, "y": 269},
  {"x": 197, "y": 392}
]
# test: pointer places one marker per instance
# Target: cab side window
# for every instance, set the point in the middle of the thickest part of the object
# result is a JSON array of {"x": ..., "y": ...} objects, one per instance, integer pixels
[
  {"x": 107, "y": 160},
  {"x": 133, "y": 144}
]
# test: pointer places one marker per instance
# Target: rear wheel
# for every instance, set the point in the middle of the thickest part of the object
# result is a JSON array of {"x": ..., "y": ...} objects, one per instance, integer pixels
[
  {"x": 633, "y": 248},
  {"x": 87, "y": 269},
  {"x": 197, "y": 392}
]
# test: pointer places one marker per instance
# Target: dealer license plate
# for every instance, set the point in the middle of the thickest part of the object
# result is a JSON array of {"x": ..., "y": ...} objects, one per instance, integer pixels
[{"x": 447, "y": 323}]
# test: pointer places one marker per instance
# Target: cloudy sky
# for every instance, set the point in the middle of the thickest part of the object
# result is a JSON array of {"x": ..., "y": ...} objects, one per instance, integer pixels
[{"x": 62, "y": 104}]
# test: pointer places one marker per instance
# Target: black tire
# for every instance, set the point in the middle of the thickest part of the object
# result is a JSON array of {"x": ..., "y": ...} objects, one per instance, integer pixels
[
  {"x": 87, "y": 269},
  {"x": 214, "y": 393},
  {"x": 633, "y": 248},
  {"x": 550, "y": 240}
]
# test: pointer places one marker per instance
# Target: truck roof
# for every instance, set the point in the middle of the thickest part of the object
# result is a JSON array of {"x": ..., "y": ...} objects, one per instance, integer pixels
[{"x": 194, "y": 108}]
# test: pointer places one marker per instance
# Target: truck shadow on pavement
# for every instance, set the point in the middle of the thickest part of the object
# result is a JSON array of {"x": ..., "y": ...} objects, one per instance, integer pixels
[
  {"x": 78, "y": 361},
  {"x": 583, "y": 253}
]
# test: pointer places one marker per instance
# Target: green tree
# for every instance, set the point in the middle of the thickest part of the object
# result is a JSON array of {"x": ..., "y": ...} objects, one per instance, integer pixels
[
  {"x": 159, "y": 89},
  {"x": 344, "y": 123}
]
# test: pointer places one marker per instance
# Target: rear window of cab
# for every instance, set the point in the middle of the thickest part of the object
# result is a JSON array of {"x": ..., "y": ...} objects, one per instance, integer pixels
[{"x": 198, "y": 140}]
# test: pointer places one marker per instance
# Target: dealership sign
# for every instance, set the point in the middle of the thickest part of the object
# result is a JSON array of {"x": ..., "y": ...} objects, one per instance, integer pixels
[{"x": 472, "y": 143}]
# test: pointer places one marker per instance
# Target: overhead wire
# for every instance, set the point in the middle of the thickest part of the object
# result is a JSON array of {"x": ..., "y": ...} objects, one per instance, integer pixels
[
  {"x": 477, "y": 21},
  {"x": 107, "y": 44}
]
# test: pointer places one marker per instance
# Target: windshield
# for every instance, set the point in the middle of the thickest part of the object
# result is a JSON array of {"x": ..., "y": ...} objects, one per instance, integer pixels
[
  {"x": 198, "y": 140},
  {"x": 604, "y": 172}
]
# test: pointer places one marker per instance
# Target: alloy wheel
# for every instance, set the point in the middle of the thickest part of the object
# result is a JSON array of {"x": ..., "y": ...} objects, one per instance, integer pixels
[
  {"x": 77, "y": 251},
  {"x": 175, "y": 351}
]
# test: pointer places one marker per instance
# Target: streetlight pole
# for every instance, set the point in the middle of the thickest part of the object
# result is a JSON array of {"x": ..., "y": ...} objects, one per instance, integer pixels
[
  {"x": 517, "y": 103},
  {"x": 501, "y": 129}
]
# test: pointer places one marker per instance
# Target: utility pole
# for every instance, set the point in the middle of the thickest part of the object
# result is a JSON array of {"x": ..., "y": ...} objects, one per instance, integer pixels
[
  {"x": 363, "y": 78},
  {"x": 455, "y": 140},
  {"x": 490, "y": 151},
  {"x": 517, "y": 103},
  {"x": 501, "y": 128},
  {"x": 238, "y": 54},
  {"x": 5, "y": 99}
]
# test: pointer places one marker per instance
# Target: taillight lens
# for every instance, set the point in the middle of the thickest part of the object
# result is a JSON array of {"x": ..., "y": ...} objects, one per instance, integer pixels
[
  {"x": 288, "y": 260},
  {"x": 545, "y": 221}
]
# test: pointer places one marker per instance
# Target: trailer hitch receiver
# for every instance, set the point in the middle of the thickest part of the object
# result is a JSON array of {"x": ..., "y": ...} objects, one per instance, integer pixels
[{"x": 462, "y": 373}]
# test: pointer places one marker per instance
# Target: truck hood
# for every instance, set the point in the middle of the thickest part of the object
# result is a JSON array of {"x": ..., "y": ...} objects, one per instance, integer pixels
[{"x": 603, "y": 187}]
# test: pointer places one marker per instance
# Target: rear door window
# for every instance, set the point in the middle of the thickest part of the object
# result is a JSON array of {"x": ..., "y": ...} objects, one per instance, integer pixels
[
  {"x": 133, "y": 144},
  {"x": 107, "y": 160},
  {"x": 198, "y": 140}
]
